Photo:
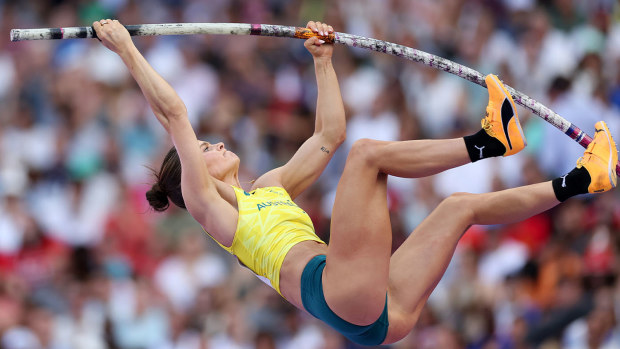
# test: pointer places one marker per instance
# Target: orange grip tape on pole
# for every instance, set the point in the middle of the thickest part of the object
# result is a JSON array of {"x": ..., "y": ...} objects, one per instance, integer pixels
[{"x": 305, "y": 33}]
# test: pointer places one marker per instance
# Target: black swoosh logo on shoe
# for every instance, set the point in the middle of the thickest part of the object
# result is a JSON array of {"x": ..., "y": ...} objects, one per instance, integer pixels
[{"x": 507, "y": 114}]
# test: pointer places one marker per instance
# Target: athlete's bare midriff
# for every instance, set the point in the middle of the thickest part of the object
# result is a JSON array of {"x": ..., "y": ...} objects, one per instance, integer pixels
[{"x": 293, "y": 266}]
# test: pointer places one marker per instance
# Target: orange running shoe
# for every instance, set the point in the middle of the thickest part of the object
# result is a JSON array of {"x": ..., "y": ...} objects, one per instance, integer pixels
[
  {"x": 600, "y": 159},
  {"x": 501, "y": 121}
]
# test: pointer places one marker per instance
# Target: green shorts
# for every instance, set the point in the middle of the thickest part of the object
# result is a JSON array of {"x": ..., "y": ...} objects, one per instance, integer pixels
[{"x": 313, "y": 300}]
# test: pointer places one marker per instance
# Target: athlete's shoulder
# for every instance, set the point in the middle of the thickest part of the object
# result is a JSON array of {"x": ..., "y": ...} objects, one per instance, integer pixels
[{"x": 272, "y": 178}]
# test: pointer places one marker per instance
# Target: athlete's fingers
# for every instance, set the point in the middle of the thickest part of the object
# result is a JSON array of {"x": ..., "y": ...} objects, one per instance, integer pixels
[
  {"x": 319, "y": 26},
  {"x": 323, "y": 29},
  {"x": 312, "y": 26},
  {"x": 99, "y": 25},
  {"x": 311, "y": 42}
]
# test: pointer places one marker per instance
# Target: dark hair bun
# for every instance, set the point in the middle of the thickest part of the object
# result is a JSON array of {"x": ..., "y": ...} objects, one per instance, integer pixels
[{"x": 157, "y": 198}]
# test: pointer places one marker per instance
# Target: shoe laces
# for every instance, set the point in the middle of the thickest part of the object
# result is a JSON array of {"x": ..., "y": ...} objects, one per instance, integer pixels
[
  {"x": 586, "y": 155},
  {"x": 486, "y": 125}
]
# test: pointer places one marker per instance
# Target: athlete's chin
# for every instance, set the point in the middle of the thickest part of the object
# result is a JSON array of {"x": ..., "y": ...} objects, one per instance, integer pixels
[{"x": 236, "y": 159}]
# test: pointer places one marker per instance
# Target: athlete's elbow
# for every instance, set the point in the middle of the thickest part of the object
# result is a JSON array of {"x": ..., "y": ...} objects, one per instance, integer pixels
[
  {"x": 340, "y": 140},
  {"x": 335, "y": 137},
  {"x": 170, "y": 117},
  {"x": 175, "y": 112},
  {"x": 340, "y": 136}
]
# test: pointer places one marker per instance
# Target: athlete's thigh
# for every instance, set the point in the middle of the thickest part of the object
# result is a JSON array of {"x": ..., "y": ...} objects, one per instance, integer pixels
[{"x": 357, "y": 270}]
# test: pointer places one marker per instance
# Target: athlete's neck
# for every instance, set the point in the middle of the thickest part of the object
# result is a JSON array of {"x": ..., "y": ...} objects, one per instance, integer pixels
[{"x": 232, "y": 179}]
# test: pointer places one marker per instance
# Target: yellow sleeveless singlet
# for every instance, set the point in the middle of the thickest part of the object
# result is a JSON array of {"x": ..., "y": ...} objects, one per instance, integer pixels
[{"x": 269, "y": 225}]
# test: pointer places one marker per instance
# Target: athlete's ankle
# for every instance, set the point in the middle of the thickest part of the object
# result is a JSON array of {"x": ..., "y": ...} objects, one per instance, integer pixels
[
  {"x": 575, "y": 182},
  {"x": 481, "y": 146}
]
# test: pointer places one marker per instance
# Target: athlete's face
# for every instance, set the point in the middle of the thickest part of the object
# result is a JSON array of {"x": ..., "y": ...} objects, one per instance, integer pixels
[{"x": 219, "y": 160}]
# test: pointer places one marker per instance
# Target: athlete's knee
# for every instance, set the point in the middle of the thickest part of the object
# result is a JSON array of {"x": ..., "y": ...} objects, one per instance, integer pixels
[
  {"x": 460, "y": 204},
  {"x": 364, "y": 150}
]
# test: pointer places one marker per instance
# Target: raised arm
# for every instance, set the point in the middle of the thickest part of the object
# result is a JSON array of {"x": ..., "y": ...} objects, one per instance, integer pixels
[
  {"x": 200, "y": 194},
  {"x": 330, "y": 126}
]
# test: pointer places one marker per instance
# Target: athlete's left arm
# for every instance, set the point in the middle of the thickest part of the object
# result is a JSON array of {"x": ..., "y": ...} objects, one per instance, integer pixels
[{"x": 310, "y": 160}]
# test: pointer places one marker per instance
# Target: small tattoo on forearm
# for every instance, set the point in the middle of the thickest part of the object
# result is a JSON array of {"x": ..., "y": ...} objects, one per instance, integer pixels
[{"x": 325, "y": 150}]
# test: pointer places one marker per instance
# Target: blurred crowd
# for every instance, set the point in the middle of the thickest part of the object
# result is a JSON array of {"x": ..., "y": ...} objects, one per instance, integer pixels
[{"x": 84, "y": 262}]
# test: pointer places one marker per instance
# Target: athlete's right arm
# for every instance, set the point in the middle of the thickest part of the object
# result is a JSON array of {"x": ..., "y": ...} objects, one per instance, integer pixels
[{"x": 199, "y": 189}]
